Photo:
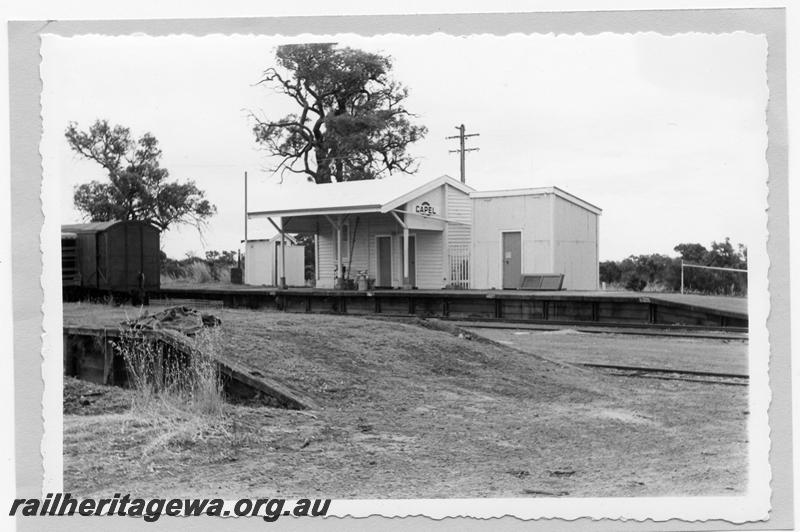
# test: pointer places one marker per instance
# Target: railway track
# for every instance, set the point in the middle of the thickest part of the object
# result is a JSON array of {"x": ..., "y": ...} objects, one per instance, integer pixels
[
  {"x": 707, "y": 377},
  {"x": 680, "y": 331}
]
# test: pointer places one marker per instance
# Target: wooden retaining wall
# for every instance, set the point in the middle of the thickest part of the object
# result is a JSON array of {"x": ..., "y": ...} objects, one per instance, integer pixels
[
  {"x": 475, "y": 305},
  {"x": 90, "y": 354}
]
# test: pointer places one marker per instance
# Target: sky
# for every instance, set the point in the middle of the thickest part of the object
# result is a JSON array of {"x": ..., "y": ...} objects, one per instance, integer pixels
[{"x": 667, "y": 134}]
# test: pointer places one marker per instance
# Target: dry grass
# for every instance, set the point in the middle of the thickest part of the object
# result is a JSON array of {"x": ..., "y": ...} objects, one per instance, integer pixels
[
  {"x": 197, "y": 273},
  {"x": 89, "y": 399},
  {"x": 166, "y": 379},
  {"x": 174, "y": 401},
  {"x": 413, "y": 412}
]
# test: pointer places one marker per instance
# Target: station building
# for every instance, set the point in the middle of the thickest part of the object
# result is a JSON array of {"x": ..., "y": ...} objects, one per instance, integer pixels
[{"x": 411, "y": 232}]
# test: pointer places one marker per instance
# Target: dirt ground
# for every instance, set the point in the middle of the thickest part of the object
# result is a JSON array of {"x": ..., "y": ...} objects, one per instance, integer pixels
[{"x": 408, "y": 411}]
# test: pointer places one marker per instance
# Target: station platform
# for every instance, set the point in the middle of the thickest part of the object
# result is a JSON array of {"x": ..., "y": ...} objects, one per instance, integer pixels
[{"x": 630, "y": 309}]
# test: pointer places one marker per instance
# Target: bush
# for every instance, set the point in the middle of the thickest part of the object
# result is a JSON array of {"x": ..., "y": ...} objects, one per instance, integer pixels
[
  {"x": 200, "y": 272},
  {"x": 216, "y": 267},
  {"x": 635, "y": 283}
]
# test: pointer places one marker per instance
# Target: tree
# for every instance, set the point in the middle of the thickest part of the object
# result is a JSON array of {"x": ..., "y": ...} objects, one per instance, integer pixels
[
  {"x": 351, "y": 125},
  {"x": 138, "y": 187},
  {"x": 655, "y": 271},
  {"x": 610, "y": 272},
  {"x": 724, "y": 255},
  {"x": 721, "y": 255},
  {"x": 692, "y": 252}
]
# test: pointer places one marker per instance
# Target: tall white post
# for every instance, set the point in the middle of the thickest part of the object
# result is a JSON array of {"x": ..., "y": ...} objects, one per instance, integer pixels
[
  {"x": 406, "y": 280},
  {"x": 283, "y": 256},
  {"x": 402, "y": 223},
  {"x": 245, "y": 211},
  {"x": 552, "y": 223},
  {"x": 681, "y": 277},
  {"x": 316, "y": 256},
  {"x": 338, "y": 282}
]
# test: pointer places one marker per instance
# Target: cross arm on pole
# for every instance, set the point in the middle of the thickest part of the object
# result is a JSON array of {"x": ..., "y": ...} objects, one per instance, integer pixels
[{"x": 462, "y": 136}]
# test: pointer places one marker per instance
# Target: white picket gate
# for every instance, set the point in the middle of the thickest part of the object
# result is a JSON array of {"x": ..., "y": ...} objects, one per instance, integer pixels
[{"x": 458, "y": 262}]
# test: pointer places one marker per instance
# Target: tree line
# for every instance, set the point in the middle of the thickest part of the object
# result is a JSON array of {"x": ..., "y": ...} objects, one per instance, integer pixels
[{"x": 656, "y": 272}]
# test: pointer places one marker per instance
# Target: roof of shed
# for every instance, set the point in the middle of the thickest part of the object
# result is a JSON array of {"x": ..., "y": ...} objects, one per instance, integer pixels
[
  {"x": 91, "y": 227},
  {"x": 374, "y": 195},
  {"x": 96, "y": 227},
  {"x": 275, "y": 238},
  {"x": 563, "y": 194}
]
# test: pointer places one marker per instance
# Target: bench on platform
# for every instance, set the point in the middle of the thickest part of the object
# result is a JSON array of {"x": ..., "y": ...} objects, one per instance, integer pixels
[{"x": 541, "y": 281}]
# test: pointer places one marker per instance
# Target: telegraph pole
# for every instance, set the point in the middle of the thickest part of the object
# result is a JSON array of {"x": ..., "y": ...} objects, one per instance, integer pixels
[
  {"x": 245, "y": 208},
  {"x": 462, "y": 136}
]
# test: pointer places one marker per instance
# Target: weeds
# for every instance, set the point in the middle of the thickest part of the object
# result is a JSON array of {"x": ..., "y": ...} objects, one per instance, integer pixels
[
  {"x": 163, "y": 377},
  {"x": 208, "y": 396},
  {"x": 199, "y": 272},
  {"x": 215, "y": 268},
  {"x": 176, "y": 392}
]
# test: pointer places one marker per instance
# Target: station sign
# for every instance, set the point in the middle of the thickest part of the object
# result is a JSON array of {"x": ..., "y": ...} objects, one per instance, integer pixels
[{"x": 425, "y": 209}]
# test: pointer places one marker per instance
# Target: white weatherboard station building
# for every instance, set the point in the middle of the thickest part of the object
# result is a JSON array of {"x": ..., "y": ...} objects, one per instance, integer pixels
[{"x": 406, "y": 231}]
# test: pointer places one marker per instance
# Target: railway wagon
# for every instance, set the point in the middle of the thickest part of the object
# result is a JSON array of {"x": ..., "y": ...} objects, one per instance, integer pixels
[{"x": 120, "y": 259}]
